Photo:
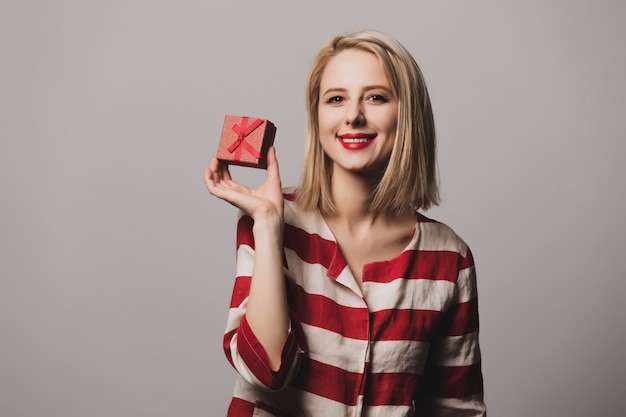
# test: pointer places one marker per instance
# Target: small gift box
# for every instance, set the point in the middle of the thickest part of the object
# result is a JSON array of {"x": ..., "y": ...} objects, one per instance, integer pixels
[{"x": 245, "y": 141}]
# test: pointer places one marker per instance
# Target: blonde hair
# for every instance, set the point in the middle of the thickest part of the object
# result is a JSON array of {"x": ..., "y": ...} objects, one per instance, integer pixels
[{"x": 410, "y": 179}]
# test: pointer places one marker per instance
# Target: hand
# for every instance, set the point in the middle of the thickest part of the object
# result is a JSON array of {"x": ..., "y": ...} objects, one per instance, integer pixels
[{"x": 262, "y": 203}]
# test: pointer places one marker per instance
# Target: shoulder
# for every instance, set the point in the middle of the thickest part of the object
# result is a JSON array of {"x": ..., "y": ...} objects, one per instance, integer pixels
[
  {"x": 291, "y": 208},
  {"x": 289, "y": 195},
  {"x": 310, "y": 222},
  {"x": 293, "y": 213},
  {"x": 435, "y": 235}
]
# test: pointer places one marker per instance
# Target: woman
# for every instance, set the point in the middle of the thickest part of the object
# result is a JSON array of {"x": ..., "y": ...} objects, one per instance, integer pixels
[{"x": 347, "y": 301}]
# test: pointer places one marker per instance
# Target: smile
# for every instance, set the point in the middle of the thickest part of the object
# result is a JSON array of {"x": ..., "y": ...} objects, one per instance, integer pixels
[{"x": 356, "y": 141}]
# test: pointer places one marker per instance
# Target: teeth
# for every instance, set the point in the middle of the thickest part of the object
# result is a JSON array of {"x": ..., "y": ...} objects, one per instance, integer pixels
[{"x": 354, "y": 140}]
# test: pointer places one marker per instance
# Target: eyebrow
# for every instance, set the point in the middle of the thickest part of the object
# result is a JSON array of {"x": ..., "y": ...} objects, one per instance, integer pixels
[{"x": 367, "y": 88}]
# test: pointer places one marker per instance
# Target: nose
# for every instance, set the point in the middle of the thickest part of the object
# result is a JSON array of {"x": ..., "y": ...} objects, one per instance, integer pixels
[{"x": 354, "y": 114}]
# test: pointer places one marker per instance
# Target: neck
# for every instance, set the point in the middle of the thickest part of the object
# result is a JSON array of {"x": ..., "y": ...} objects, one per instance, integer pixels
[{"x": 351, "y": 193}]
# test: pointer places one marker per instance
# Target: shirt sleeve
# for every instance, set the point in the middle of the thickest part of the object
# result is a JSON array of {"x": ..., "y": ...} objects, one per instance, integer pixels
[
  {"x": 452, "y": 379},
  {"x": 242, "y": 348}
]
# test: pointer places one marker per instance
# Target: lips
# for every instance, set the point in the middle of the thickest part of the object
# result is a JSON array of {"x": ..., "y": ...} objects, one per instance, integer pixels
[{"x": 356, "y": 141}]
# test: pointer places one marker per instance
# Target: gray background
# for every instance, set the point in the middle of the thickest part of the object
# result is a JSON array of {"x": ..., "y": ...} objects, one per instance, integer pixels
[{"x": 116, "y": 264}]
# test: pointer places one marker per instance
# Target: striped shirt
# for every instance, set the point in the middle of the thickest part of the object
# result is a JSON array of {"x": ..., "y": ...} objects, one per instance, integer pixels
[{"x": 406, "y": 344}]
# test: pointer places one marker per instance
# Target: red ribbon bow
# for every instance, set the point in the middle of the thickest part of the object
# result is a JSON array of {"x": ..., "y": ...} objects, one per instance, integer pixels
[{"x": 243, "y": 131}]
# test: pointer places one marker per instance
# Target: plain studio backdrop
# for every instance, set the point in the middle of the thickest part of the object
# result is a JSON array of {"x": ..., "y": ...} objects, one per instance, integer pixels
[{"x": 116, "y": 265}]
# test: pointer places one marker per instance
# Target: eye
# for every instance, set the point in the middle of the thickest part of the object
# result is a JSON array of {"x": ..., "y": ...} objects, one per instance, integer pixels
[
  {"x": 377, "y": 98},
  {"x": 334, "y": 99}
]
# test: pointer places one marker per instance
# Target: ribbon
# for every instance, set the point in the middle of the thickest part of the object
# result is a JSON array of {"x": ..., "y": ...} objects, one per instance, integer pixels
[{"x": 243, "y": 131}]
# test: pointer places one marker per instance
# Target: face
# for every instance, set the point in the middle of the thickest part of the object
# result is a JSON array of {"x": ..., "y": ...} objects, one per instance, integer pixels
[{"x": 357, "y": 116}]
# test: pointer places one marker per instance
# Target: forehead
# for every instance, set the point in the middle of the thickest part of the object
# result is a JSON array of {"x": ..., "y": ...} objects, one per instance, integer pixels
[{"x": 354, "y": 68}]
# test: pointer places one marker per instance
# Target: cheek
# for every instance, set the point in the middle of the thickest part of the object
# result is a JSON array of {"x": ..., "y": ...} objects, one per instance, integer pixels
[
  {"x": 328, "y": 119},
  {"x": 321, "y": 120},
  {"x": 392, "y": 121},
  {"x": 392, "y": 127}
]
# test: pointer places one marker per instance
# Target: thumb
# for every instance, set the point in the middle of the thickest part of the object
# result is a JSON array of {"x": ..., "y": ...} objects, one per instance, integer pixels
[{"x": 272, "y": 163}]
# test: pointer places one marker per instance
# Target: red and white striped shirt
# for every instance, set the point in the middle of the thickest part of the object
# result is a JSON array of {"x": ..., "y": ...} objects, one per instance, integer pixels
[{"x": 405, "y": 345}]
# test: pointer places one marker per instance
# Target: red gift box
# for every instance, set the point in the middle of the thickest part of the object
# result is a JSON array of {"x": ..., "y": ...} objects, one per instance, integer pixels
[{"x": 245, "y": 141}]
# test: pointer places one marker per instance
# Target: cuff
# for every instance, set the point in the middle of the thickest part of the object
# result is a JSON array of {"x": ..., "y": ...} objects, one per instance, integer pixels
[{"x": 255, "y": 357}]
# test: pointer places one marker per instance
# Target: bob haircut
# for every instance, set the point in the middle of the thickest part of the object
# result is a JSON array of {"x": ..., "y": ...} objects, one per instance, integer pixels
[{"x": 409, "y": 181}]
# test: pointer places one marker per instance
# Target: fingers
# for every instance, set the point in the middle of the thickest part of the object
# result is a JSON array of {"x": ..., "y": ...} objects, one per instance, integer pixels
[
  {"x": 272, "y": 163},
  {"x": 208, "y": 177},
  {"x": 211, "y": 176},
  {"x": 216, "y": 172},
  {"x": 224, "y": 172},
  {"x": 214, "y": 163},
  {"x": 220, "y": 184}
]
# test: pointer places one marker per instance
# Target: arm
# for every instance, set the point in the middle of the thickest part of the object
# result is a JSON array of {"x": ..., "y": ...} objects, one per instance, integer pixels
[
  {"x": 453, "y": 377},
  {"x": 241, "y": 345},
  {"x": 262, "y": 335}
]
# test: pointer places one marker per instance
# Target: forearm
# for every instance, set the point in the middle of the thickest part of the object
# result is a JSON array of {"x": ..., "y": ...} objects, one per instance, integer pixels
[{"x": 267, "y": 311}]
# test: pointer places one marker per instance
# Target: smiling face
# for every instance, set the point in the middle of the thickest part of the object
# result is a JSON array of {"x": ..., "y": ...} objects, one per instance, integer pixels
[{"x": 358, "y": 112}]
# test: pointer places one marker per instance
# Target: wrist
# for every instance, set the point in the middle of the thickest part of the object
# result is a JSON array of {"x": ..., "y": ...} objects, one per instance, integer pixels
[{"x": 268, "y": 222}]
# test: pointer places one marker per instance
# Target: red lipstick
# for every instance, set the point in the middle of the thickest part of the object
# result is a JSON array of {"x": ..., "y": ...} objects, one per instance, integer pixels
[{"x": 356, "y": 141}]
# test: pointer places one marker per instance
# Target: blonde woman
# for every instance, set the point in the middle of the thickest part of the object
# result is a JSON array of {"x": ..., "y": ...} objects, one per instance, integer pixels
[{"x": 347, "y": 300}]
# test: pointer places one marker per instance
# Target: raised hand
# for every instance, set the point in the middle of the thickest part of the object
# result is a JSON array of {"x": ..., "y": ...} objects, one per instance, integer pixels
[
  {"x": 264, "y": 202},
  {"x": 267, "y": 311}
]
